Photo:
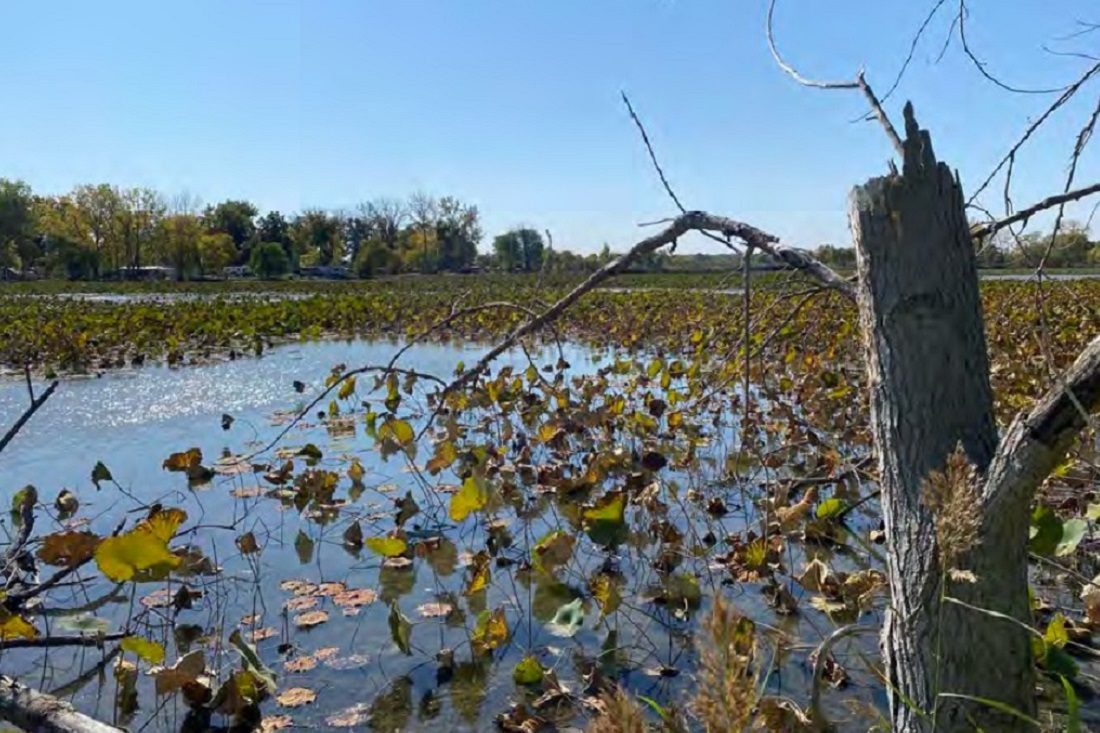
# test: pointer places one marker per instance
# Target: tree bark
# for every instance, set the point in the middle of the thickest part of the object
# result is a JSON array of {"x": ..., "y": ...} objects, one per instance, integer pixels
[
  {"x": 37, "y": 712},
  {"x": 925, "y": 348}
]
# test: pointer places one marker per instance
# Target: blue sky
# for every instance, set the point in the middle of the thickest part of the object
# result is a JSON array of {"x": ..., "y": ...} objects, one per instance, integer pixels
[{"x": 514, "y": 104}]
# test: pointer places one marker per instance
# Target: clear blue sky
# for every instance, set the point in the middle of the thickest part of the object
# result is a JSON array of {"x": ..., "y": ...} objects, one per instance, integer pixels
[{"x": 514, "y": 104}]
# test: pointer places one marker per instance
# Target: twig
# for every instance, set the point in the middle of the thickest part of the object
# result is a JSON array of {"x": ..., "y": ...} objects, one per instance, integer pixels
[
  {"x": 980, "y": 65},
  {"x": 820, "y": 657},
  {"x": 691, "y": 221},
  {"x": 913, "y": 48},
  {"x": 14, "y": 600},
  {"x": 860, "y": 83},
  {"x": 49, "y": 642},
  {"x": 1023, "y": 215},
  {"x": 74, "y": 685},
  {"x": 30, "y": 385},
  {"x": 328, "y": 390},
  {"x": 1083, "y": 138},
  {"x": 35, "y": 404},
  {"x": 1064, "y": 97},
  {"x": 652, "y": 156}
]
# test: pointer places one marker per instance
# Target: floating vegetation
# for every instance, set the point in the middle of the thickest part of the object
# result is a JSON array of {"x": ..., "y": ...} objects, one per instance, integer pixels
[{"x": 635, "y": 541}]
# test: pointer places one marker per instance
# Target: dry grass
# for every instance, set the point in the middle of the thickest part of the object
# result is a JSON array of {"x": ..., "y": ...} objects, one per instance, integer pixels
[
  {"x": 620, "y": 713},
  {"x": 952, "y": 494},
  {"x": 726, "y": 692}
]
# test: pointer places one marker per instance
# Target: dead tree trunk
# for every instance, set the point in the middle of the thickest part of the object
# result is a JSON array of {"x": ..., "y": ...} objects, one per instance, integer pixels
[{"x": 925, "y": 348}]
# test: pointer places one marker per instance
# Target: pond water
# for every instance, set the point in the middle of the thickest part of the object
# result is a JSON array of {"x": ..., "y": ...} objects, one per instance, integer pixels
[{"x": 131, "y": 421}]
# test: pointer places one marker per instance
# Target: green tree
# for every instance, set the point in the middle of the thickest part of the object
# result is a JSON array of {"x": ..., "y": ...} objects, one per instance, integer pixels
[
  {"x": 60, "y": 236},
  {"x": 457, "y": 233},
  {"x": 216, "y": 251},
  {"x": 269, "y": 261},
  {"x": 138, "y": 219},
  {"x": 384, "y": 218},
  {"x": 9, "y": 257},
  {"x": 273, "y": 227},
  {"x": 179, "y": 241},
  {"x": 519, "y": 249},
  {"x": 375, "y": 258},
  {"x": 317, "y": 236},
  {"x": 98, "y": 206},
  {"x": 237, "y": 219},
  {"x": 17, "y": 224}
]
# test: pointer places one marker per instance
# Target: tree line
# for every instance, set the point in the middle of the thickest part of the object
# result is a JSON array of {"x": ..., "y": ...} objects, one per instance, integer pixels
[
  {"x": 100, "y": 230},
  {"x": 103, "y": 231},
  {"x": 1071, "y": 247}
]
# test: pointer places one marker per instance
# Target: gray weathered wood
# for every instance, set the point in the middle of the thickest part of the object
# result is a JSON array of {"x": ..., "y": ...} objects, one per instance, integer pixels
[
  {"x": 929, "y": 374},
  {"x": 37, "y": 712}
]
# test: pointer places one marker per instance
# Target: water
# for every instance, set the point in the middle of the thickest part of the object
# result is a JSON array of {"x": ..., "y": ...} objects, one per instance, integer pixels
[{"x": 131, "y": 421}]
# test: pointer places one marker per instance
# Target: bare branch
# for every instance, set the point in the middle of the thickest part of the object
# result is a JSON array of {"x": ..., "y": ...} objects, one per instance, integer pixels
[
  {"x": 35, "y": 404},
  {"x": 913, "y": 48},
  {"x": 50, "y": 642},
  {"x": 368, "y": 369},
  {"x": 1084, "y": 28},
  {"x": 691, "y": 221},
  {"x": 980, "y": 65},
  {"x": 1083, "y": 138},
  {"x": 880, "y": 113},
  {"x": 860, "y": 83},
  {"x": 1023, "y": 215},
  {"x": 790, "y": 70},
  {"x": 652, "y": 156},
  {"x": 1064, "y": 97},
  {"x": 1037, "y": 440}
]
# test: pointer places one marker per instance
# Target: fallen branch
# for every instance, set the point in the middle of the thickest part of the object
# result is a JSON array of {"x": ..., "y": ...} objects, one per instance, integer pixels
[
  {"x": 37, "y": 712},
  {"x": 699, "y": 221},
  {"x": 1037, "y": 440}
]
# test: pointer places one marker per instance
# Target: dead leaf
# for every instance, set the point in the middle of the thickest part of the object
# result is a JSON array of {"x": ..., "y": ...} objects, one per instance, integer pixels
[
  {"x": 300, "y": 664},
  {"x": 355, "y": 597},
  {"x": 272, "y": 723},
  {"x": 260, "y": 634},
  {"x": 434, "y": 610},
  {"x": 296, "y": 697},
  {"x": 68, "y": 549},
  {"x": 299, "y": 587},
  {"x": 330, "y": 589},
  {"x": 301, "y": 603},
  {"x": 310, "y": 619}
]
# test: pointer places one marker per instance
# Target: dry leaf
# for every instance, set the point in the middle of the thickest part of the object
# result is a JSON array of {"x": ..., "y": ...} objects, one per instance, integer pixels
[
  {"x": 355, "y": 597},
  {"x": 260, "y": 634},
  {"x": 301, "y": 603},
  {"x": 271, "y": 723},
  {"x": 434, "y": 610},
  {"x": 296, "y": 697},
  {"x": 310, "y": 619},
  {"x": 300, "y": 664}
]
